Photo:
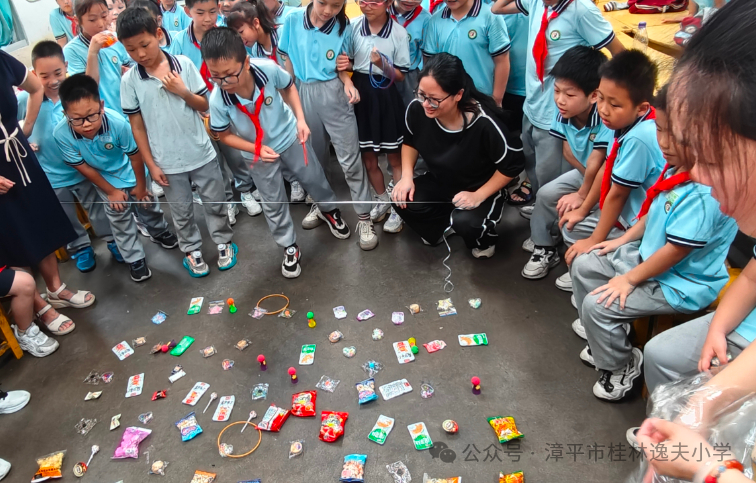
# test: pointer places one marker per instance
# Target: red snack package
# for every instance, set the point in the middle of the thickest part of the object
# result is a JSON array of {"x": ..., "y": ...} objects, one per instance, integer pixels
[
  {"x": 273, "y": 419},
  {"x": 303, "y": 404},
  {"x": 332, "y": 425}
]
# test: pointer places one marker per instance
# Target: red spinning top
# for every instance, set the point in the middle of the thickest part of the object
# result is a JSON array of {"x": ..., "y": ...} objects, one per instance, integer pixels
[
  {"x": 293, "y": 374},
  {"x": 476, "y": 383},
  {"x": 261, "y": 360}
]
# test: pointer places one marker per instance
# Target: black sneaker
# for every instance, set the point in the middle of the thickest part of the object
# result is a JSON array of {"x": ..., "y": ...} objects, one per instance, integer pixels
[
  {"x": 165, "y": 240},
  {"x": 140, "y": 271},
  {"x": 290, "y": 267},
  {"x": 338, "y": 227}
]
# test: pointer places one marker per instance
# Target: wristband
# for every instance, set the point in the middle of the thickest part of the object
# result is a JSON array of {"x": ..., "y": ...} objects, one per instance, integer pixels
[{"x": 712, "y": 469}]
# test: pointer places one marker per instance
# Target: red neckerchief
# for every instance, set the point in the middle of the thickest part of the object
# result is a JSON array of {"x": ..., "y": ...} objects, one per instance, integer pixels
[
  {"x": 255, "y": 118},
  {"x": 273, "y": 48},
  {"x": 204, "y": 71},
  {"x": 540, "y": 46},
  {"x": 408, "y": 19},
  {"x": 660, "y": 186},
  {"x": 74, "y": 23},
  {"x": 434, "y": 4}
]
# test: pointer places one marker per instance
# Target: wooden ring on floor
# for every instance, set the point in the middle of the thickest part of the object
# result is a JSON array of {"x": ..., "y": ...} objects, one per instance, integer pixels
[
  {"x": 275, "y": 295},
  {"x": 259, "y": 440}
]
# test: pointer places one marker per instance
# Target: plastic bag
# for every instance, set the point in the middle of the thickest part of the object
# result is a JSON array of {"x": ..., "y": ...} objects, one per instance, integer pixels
[
  {"x": 259, "y": 391},
  {"x": 381, "y": 430},
  {"x": 399, "y": 472},
  {"x": 420, "y": 436},
  {"x": 243, "y": 344},
  {"x": 349, "y": 352},
  {"x": 366, "y": 391},
  {"x": 258, "y": 313},
  {"x": 303, "y": 404},
  {"x": 365, "y": 314},
  {"x": 335, "y": 336},
  {"x": 327, "y": 384},
  {"x": 505, "y": 428},
  {"x": 354, "y": 468},
  {"x": 377, "y": 334},
  {"x": 332, "y": 425},
  {"x": 372, "y": 367},
  {"x": 158, "y": 468},
  {"x": 189, "y": 427},
  {"x": 50, "y": 466},
  {"x": 208, "y": 351},
  {"x": 446, "y": 307},
  {"x": 516, "y": 477},
  {"x": 129, "y": 447},
  {"x": 296, "y": 448}
]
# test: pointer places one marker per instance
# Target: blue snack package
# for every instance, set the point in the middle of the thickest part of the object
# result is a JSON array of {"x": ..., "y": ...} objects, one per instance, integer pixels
[
  {"x": 366, "y": 390},
  {"x": 354, "y": 468},
  {"x": 188, "y": 426}
]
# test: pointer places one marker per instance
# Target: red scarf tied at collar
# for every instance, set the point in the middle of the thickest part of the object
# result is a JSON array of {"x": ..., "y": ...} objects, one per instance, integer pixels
[
  {"x": 660, "y": 186},
  {"x": 540, "y": 46}
]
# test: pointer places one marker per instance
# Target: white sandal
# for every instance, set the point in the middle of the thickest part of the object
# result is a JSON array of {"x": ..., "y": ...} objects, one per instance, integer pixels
[
  {"x": 54, "y": 326},
  {"x": 78, "y": 301}
]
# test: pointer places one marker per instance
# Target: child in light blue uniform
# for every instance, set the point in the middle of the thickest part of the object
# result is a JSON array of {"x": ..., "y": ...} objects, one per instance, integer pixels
[
  {"x": 69, "y": 185},
  {"x": 175, "y": 18},
  {"x": 671, "y": 261},
  {"x": 414, "y": 18},
  {"x": 279, "y": 10},
  {"x": 63, "y": 22},
  {"x": 514, "y": 97}
]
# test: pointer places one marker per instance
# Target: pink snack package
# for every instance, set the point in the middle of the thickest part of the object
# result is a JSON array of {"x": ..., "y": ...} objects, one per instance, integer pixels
[
  {"x": 434, "y": 345},
  {"x": 129, "y": 447}
]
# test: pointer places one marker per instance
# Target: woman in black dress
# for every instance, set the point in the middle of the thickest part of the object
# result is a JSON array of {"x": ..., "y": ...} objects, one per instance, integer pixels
[{"x": 32, "y": 222}]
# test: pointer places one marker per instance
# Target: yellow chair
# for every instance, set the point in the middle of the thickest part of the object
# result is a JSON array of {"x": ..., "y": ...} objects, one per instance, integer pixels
[{"x": 10, "y": 341}]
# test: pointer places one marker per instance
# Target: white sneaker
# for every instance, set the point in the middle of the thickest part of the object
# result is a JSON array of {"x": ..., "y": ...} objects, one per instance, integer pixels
[
  {"x": 157, "y": 190},
  {"x": 233, "y": 210},
  {"x": 196, "y": 198},
  {"x": 13, "y": 401},
  {"x": 394, "y": 223},
  {"x": 35, "y": 342},
  {"x": 613, "y": 386},
  {"x": 256, "y": 194},
  {"x": 528, "y": 245},
  {"x": 564, "y": 282},
  {"x": 4, "y": 468},
  {"x": 579, "y": 329},
  {"x": 368, "y": 238},
  {"x": 309, "y": 200},
  {"x": 290, "y": 268},
  {"x": 587, "y": 357},
  {"x": 573, "y": 301},
  {"x": 527, "y": 211},
  {"x": 252, "y": 206},
  {"x": 141, "y": 227},
  {"x": 380, "y": 210},
  {"x": 541, "y": 261},
  {"x": 312, "y": 220},
  {"x": 484, "y": 252},
  {"x": 298, "y": 194}
]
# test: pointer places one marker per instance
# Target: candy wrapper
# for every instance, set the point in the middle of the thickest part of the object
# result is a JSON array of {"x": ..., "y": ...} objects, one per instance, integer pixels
[
  {"x": 399, "y": 472},
  {"x": 123, "y": 350},
  {"x": 93, "y": 395},
  {"x": 145, "y": 418},
  {"x": 177, "y": 373},
  {"x": 243, "y": 344},
  {"x": 466, "y": 340},
  {"x": 159, "y": 318},
  {"x": 354, "y": 468},
  {"x": 446, "y": 307},
  {"x": 158, "y": 468},
  {"x": 303, "y": 404},
  {"x": 189, "y": 427},
  {"x": 397, "y": 318},
  {"x": 307, "y": 355},
  {"x": 372, "y": 368},
  {"x": 85, "y": 425},
  {"x": 225, "y": 449},
  {"x": 296, "y": 448},
  {"x": 505, "y": 428},
  {"x": 516, "y": 477},
  {"x": 258, "y": 313},
  {"x": 50, "y": 466},
  {"x": 420, "y": 436},
  {"x": 474, "y": 303},
  {"x": 366, "y": 391},
  {"x": 339, "y": 312},
  {"x": 93, "y": 378},
  {"x": 450, "y": 426},
  {"x": 216, "y": 307},
  {"x": 327, "y": 384},
  {"x": 287, "y": 313},
  {"x": 335, "y": 336},
  {"x": 403, "y": 352},
  {"x": 349, "y": 351},
  {"x": 434, "y": 345},
  {"x": 381, "y": 429},
  {"x": 156, "y": 348},
  {"x": 426, "y": 390},
  {"x": 273, "y": 419},
  {"x": 160, "y": 394},
  {"x": 365, "y": 314},
  {"x": 332, "y": 425},
  {"x": 377, "y": 334},
  {"x": 227, "y": 364},
  {"x": 208, "y": 351},
  {"x": 259, "y": 391},
  {"x": 428, "y": 479},
  {"x": 203, "y": 477},
  {"x": 129, "y": 447},
  {"x": 107, "y": 377},
  {"x": 394, "y": 389},
  {"x": 196, "y": 393},
  {"x": 414, "y": 309},
  {"x": 195, "y": 305},
  {"x": 115, "y": 421},
  {"x": 139, "y": 341}
]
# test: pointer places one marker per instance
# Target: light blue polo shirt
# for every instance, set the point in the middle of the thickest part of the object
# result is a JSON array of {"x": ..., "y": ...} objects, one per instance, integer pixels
[
  {"x": 747, "y": 328},
  {"x": 313, "y": 50},
  {"x": 689, "y": 216},
  {"x": 50, "y": 158},
  {"x": 638, "y": 165},
  {"x": 426, "y": 4},
  {"x": 221, "y": 22},
  {"x": 278, "y": 122},
  {"x": 476, "y": 39},
  {"x": 107, "y": 152},
  {"x": 110, "y": 60},
  {"x": 258, "y": 51},
  {"x": 579, "y": 23},
  {"x": 293, "y": 3},
  {"x": 517, "y": 28},
  {"x": 60, "y": 24},
  {"x": 182, "y": 43},
  {"x": 415, "y": 23},
  {"x": 279, "y": 16},
  {"x": 175, "y": 19},
  {"x": 391, "y": 41},
  {"x": 582, "y": 142}
]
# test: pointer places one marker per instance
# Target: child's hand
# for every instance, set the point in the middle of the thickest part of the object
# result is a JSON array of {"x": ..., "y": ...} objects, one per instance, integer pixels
[
  {"x": 158, "y": 176},
  {"x": 268, "y": 155},
  {"x": 618, "y": 287},
  {"x": 174, "y": 84},
  {"x": 98, "y": 41},
  {"x": 466, "y": 200},
  {"x": 142, "y": 194},
  {"x": 342, "y": 63},
  {"x": 303, "y": 131},
  {"x": 353, "y": 95},
  {"x": 571, "y": 218},
  {"x": 375, "y": 56},
  {"x": 569, "y": 202},
  {"x": 607, "y": 246},
  {"x": 117, "y": 200},
  {"x": 714, "y": 346},
  {"x": 5, "y": 185},
  {"x": 580, "y": 247}
]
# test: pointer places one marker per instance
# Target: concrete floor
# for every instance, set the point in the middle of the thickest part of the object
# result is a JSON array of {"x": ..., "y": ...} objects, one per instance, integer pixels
[{"x": 530, "y": 370}]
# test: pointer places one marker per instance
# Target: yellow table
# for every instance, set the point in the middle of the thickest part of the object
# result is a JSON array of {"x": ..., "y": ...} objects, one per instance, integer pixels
[
  {"x": 664, "y": 63},
  {"x": 660, "y": 35}
]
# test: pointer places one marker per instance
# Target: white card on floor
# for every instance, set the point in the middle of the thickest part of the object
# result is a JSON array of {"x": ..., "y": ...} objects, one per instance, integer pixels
[
  {"x": 123, "y": 350},
  {"x": 396, "y": 388},
  {"x": 196, "y": 393},
  {"x": 177, "y": 376},
  {"x": 403, "y": 352},
  {"x": 136, "y": 383},
  {"x": 225, "y": 406}
]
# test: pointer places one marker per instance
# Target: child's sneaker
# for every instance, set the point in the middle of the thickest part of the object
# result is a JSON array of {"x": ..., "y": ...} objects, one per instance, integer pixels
[
  {"x": 157, "y": 190},
  {"x": 540, "y": 262},
  {"x": 249, "y": 202},
  {"x": 368, "y": 238},
  {"x": 13, "y": 401},
  {"x": 335, "y": 223},
  {"x": 527, "y": 211},
  {"x": 528, "y": 245},
  {"x": 394, "y": 223},
  {"x": 166, "y": 240},
  {"x": 195, "y": 264},
  {"x": 309, "y": 200},
  {"x": 313, "y": 218},
  {"x": 298, "y": 194},
  {"x": 579, "y": 329},
  {"x": 256, "y": 194},
  {"x": 587, "y": 357},
  {"x": 484, "y": 252},
  {"x": 380, "y": 208},
  {"x": 196, "y": 198},
  {"x": 140, "y": 271},
  {"x": 564, "y": 282},
  {"x": 85, "y": 259},
  {"x": 35, "y": 342},
  {"x": 233, "y": 210},
  {"x": 115, "y": 252},
  {"x": 290, "y": 267},
  {"x": 4, "y": 468},
  {"x": 141, "y": 227},
  {"x": 227, "y": 255},
  {"x": 614, "y": 385}
]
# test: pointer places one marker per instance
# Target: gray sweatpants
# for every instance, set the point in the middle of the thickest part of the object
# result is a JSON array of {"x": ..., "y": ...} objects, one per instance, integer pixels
[
  {"x": 605, "y": 327},
  {"x": 585, "y": 228},
  {"x": 209, "y": 183},
  {"x": 269, "y": 178},
  {"x": 86, "y": 194},
  {"x": 330, "y": 117},
  {"x": 544, "y": 223},
  {"x": 242, "y": 178},
  {"x": 543, "y": 155},
  {"x": 674, "y": 353},
  {"x": 124, "y": 227}
]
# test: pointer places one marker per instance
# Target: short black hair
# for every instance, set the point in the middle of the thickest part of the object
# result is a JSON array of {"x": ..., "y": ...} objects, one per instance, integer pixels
[
  {"x": 633, "y": 71},
  {"x": 76, "y": 88},
  {"x": 223, "y": 43},
  {"x": 134, "y": 21},
  {"x": 190, "y": 3},
  {"x": 148, "y": 5},
  {"x": 660, "y": 100},
  {"x": 47, "y": 48},
  {"x": 580, "y": 65},
  {"x": 81, "y": 7}
]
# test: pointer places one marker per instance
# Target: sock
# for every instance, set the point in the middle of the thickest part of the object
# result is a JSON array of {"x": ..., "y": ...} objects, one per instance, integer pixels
[
  {"x": 384, "y": 196},
  {"x": 21, "y": 332},
  {"x": 364, "y": 216},
  {"x": 548, "y": 249}
]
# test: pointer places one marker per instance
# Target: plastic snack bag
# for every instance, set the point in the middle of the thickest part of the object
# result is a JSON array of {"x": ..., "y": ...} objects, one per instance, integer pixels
[
  {"x": 399, "y": 472},
  {"x": 145, "y": 417},
  {"x": 335, "y": 336},
  {"x": 296, "y": 448},
  {"x": 505, "y": 428},
  {"x": 414, "y": 309},
  {"x": 243, "y": 344},
  {"x": 303, "y": 404},
  {"x": 307, "y": 355},
  {"x": 225, "y": 406},
  {"x": 216, "y": 307},
  {"x": 366, "y": 391},
  {"x": 349, "y": 351},
  {"x": 397, "y": 318},
  {"x": 381, "y": 429},
  {"x": 123, "y": 350},
  {"x": 474, "y": 303},
  {"x": 203, "y": 477},
  {"x": 158, "y": 468},
  {"x": 426, "y": 390},
  {"x": 372, "y": 368},
  {"x": 434, "y": 345},
  {"x": 354, "y": 468},
  {"x": 332, "y": 425},
  {"x": 139, "y": 341},
  {"x": 472, "y": 339},
  {"x": 394, "y": 389},
  {"x": 403, "y": 352},
  {"x": 377, "y": 334},
  {"x": 129, "y": 447},
  {"x": 195, "y": 305},
  {"x": 258, "y": 313},
  {"x": 115, "y": 421},
  {"x": 50, "y": 466},
  {"x": 365, "y": 314},
  {"x": 428, "y": 479},
  {"x": 287, "y": 313},
  {"x": 93, "y": 395},
  {"x": 420, "y": 436},
  {"x": 159, "y": 318},
  {"x": 208, "y": 351},
  {"x": 259, "y": 391},
  {"x": 327, "y": 384},
  {"x": 516, "y": 477},
  {"x": 135, "y": 385},
  {"x": 446, "y": 307},
  {"x": 196, "y": 393},
  {"x": 107, "y": 377},
  {"x": 339, "y": 312},
  {"x": 182, "y": 346},
  {"x": 225, "y": 449},
  {"x": 189, "y": 427},
  {"x": 273, "y": 419},
  {"x": 227, "y": 364}
]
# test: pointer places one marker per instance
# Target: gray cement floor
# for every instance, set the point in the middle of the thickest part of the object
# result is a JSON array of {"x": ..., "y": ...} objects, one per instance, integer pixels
[{"x": 530, "y": 370}]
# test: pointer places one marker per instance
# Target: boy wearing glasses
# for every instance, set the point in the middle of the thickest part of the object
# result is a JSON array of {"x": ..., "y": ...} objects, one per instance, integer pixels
[
  {"x": 163, "y": 97},
  {"x": 99, "y": 144}
]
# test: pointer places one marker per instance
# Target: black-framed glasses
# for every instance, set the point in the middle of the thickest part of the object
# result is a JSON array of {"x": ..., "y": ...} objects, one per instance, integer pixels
[
  {"x": 433, "y": 103},
  {"x": 79, "y": 121},
  {"x": 229, "y": 79}
]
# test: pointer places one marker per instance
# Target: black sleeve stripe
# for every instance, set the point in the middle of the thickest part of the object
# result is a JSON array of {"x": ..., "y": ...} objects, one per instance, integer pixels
[
  {"x": 79, "y": 162},
  {"x": 426, "y": 53},
  {"x": 600, "y": 145},
  {"x": 202, "y": 91},
  {"x": 557, "y": 134},
  {"x": 132, "y": 153},
  {"x": 502, "y": 51},
  {"x": 283, "y": 52},
  {"x": 291, "y": 83},
  {"x": 521, "y": 7},
  {"x": 624, "y": 182},
  {"x": 604, "y": 42},
  {"x": 403, "y": 70},
  {"x": 131, "y": 111},
  {"x": 676, "y": 240},
  {"x": 60, "y": 37},
  {"x": 221, "y": 128}
]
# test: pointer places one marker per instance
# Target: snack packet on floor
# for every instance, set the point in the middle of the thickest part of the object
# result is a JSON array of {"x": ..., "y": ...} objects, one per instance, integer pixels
[
  {"x": 399, "y": 472},
  {"x": 354, "y": 468},
  {"x": 273, "y": 419},
  {"x": 327, "y": 384},
  {"x": 303, "y": 404},
  {"x": 195, "y": 305},
  {"x": 472, "y": 339},
  {"x": 129, "y": 446},
  {"x": 259, "y": 391},
  {"x": 50, "y": 466},
  {"x": 189, "y": 427},
  {"x": 428, "y": 479},
  {"x": 203, "y": 477},
  {"x": 420, "y": 436},
  {"x": 366, "y": 391},
  {"x": 332, "y": 425},
  {"x": 446, "y": 307},
  {"x": 381, "y": 430},
  {"x": 505, "y": 428},
  {"x": 516, "y": 477},
  {"x": 434, "y": 345},
  {"x": 296, "y": 448}
]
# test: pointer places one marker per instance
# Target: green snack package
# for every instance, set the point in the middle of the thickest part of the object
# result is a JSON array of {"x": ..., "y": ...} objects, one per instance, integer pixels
[
  {"x": 420, "y": 436},
  {"x": 195, "y": 305},
  {"x": 472, "y": 339},
  {"x": 307, "y": 356},
  {"x": 381, "y": 430},
  {"x": 182, "y": 346}
]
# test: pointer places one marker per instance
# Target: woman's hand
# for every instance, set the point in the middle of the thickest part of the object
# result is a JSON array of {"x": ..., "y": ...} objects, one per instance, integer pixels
[
  {"x": 658, "y": 437},
  {"x": 5, "y": 185},
  {"x": 618, "y": 287},
  {"x": 404, "y": 190},
  {"x": 467, "y": 200},
  {"x": 714, "y": 346}
]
